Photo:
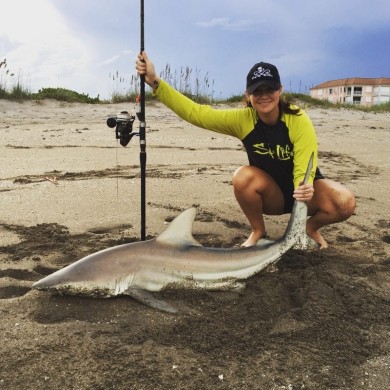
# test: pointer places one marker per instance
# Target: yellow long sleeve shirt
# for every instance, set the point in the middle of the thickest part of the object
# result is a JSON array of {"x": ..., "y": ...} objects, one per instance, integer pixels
[{"x": 282, "y": 150}]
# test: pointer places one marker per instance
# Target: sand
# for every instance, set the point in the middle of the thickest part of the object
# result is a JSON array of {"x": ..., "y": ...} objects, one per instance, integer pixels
[{"x": 319, "y": 320}]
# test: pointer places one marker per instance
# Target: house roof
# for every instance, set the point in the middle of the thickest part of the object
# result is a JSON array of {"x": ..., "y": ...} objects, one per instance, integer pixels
[{"x": 354, "y": 81}]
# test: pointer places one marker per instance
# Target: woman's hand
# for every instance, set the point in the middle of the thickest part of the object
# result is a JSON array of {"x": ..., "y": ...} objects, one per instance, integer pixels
[
  {"x": 145, "y": 67},
  {"x": 304, "y": 192}
]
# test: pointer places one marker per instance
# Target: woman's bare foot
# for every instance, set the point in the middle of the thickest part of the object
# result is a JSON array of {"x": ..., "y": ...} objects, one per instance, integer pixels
[
  {"x": 317, "y": 237},
  {"x": 253, "y": 238}
]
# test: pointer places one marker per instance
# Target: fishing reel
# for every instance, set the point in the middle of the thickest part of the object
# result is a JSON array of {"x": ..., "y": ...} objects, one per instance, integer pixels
[{"x": 123, "y": 123}]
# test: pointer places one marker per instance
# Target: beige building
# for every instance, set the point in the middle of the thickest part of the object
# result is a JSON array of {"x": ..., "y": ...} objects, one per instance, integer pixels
[{"x": 355, "y": 90}]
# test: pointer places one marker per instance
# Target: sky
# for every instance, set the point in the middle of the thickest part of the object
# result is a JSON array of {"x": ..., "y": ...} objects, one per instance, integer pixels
[{"x": 90, "y": 46}]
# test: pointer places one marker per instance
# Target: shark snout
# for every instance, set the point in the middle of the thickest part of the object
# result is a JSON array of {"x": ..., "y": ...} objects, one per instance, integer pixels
[
  {"x": 53, "y": 281},
  {"x": 44, "y": 284}
]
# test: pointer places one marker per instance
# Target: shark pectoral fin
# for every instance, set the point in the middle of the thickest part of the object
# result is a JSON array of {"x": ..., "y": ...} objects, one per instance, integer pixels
[{"x": 148, "y": 299}]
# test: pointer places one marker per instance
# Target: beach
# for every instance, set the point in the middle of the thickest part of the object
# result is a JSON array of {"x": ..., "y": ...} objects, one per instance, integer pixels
[{"x": 316, "y": 320}]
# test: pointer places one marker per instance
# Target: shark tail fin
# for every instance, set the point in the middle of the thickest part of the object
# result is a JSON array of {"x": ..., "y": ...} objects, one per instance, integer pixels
[{"x": 295, "y": 234}]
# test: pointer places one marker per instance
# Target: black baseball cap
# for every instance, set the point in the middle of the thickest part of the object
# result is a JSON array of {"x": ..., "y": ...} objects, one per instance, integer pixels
[{"x": 262, "y": 73}]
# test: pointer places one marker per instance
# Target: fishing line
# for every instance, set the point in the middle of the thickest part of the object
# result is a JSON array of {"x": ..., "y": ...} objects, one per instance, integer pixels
[
  {"x": 136, "y": 102},
  {"x": 123, "y": 124},
  {"x": 117, "y": 171}
]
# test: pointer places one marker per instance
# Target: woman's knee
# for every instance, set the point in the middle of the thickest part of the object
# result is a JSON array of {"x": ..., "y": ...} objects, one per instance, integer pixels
[
  {"x": 244, "y": 177},
  {"x": 334, "y": 199},
  {"x": 346, "y": 204}
]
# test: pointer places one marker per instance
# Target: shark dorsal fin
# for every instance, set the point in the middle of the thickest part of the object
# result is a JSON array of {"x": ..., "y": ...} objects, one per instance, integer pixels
[{"x": 179, "y": 231}]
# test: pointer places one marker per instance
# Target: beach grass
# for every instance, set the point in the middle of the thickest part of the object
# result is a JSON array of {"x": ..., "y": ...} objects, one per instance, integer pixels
[{"x": 192, "y": 83}]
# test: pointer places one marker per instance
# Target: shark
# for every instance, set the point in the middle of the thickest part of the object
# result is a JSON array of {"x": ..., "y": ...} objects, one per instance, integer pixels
[{"x": 174, "y": 260}]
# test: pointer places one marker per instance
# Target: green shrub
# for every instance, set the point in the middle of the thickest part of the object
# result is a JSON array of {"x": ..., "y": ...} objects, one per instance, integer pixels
[{"x": 65, "y": 95}]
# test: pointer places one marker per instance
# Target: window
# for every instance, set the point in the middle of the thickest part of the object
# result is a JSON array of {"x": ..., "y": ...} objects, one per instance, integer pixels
[
  {"x": 369, "y": 88},
  {"x": 385, "y": 90}
]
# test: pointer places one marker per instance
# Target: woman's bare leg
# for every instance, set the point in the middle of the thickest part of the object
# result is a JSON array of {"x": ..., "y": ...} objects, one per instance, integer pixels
[
  {"x": 331, "y": 203},
  {"x": 257, "y": 193}
]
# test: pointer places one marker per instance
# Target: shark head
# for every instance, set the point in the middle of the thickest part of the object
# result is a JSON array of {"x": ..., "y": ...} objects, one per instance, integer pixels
[{"x": 93, "y": 275}]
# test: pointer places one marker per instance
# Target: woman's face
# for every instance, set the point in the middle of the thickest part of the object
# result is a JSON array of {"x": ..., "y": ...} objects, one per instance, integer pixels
[{"x": 265, "y": 101}]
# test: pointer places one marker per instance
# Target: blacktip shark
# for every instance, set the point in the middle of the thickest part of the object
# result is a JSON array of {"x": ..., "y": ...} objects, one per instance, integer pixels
[{"x": 173, "y": 260}]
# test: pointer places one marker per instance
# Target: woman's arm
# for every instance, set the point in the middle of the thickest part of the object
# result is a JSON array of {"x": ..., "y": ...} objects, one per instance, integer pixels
[{"x": 234, "y": 122}]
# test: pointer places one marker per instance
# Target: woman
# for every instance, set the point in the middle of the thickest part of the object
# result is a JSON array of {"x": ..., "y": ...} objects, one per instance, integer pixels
[{"x": 279, "y": 139}]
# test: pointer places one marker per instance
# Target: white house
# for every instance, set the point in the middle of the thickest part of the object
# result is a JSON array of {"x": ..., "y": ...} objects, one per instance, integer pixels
[{"x": 357, "y": 90}]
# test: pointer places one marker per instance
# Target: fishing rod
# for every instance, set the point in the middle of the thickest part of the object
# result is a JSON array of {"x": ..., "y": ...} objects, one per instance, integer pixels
[
  {"x": 142, "y": 130},
  {"x": 123, "y": 123}
]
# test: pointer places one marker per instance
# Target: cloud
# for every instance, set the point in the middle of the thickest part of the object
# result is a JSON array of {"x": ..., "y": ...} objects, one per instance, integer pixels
[
  {"x": 41, "y": 45},
  {"x": 220, "y": 22},
  {"x": 108, "y": 61},
  {"x": 227, "y": 24},
  {"x": 115, "y": 58}
]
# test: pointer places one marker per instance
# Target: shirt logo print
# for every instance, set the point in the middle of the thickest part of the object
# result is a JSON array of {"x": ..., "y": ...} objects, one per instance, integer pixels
[{"x": 279, "y": 152}]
